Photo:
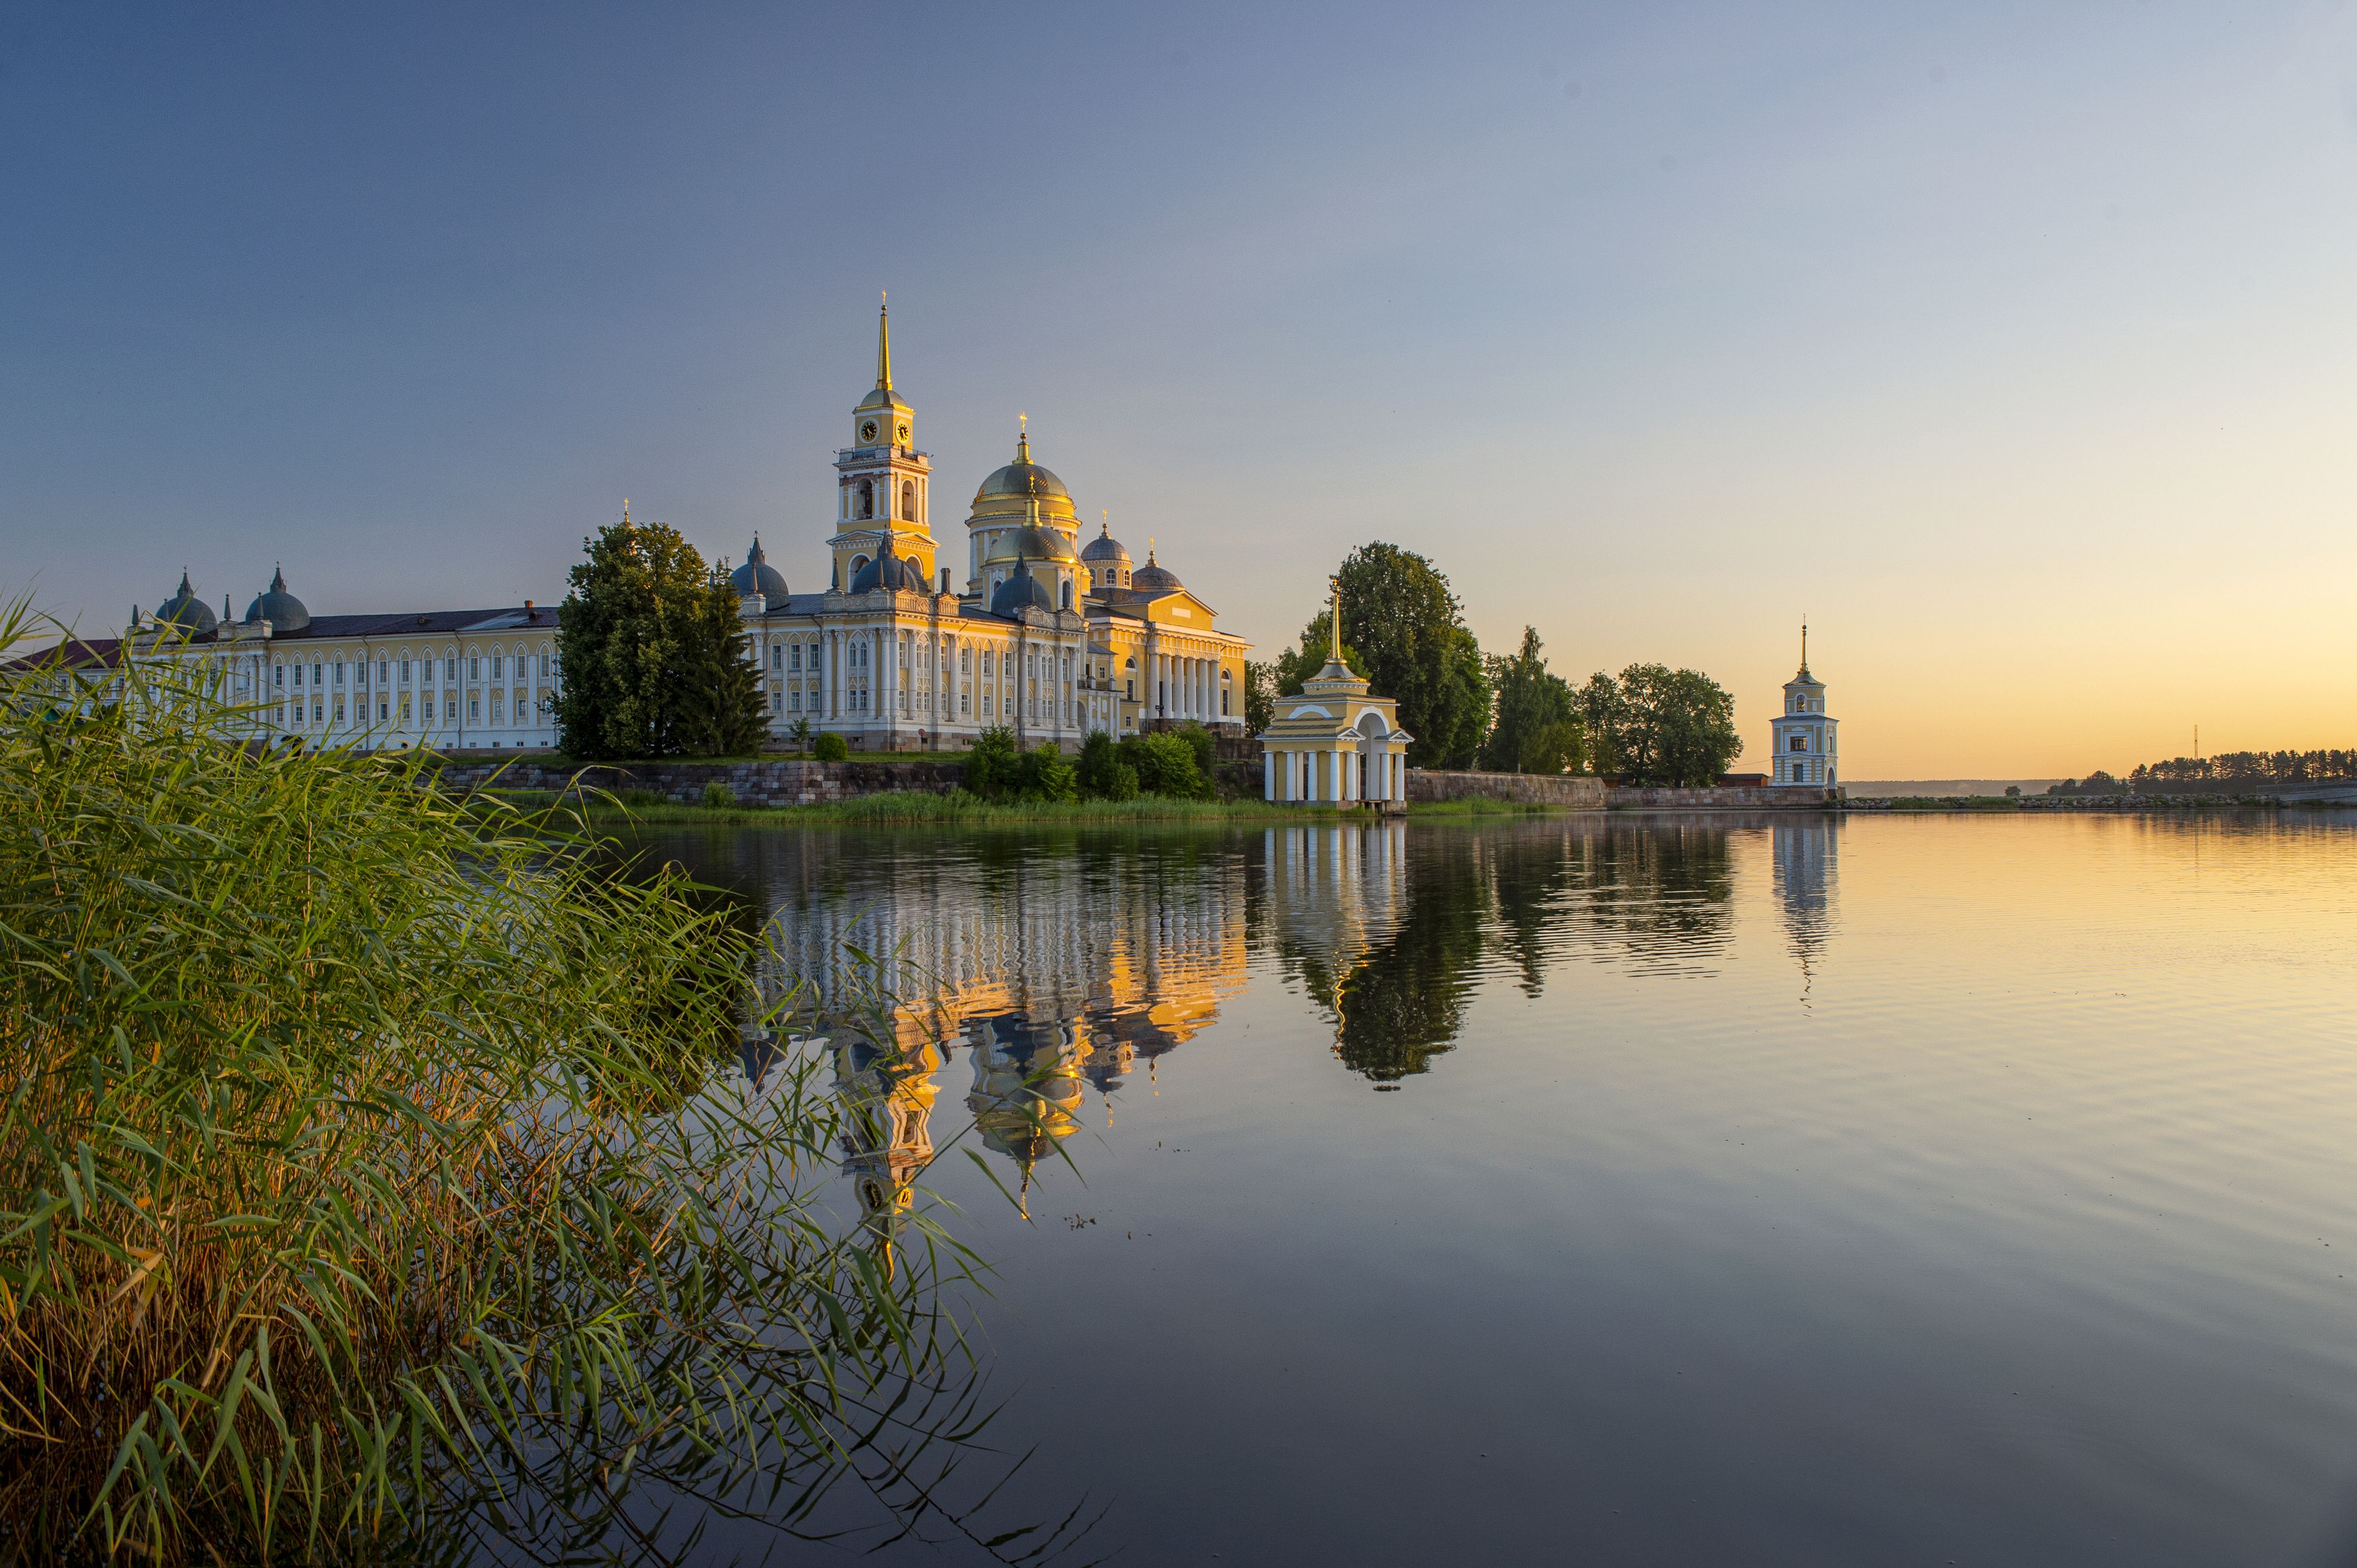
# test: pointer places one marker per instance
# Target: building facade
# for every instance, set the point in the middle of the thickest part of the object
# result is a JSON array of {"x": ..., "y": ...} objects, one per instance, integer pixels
[
  {"x": 1041, "y": 632},
  {"x": 1806, "y": 747}
]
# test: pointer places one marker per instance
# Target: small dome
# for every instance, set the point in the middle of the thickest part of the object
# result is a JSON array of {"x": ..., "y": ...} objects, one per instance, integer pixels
[
  {"x": 1153, "y": 576},
  {"x": 1020, "y": 591},
  {"x": 881, "y": 398},
  {"x": 282, "y": 610},
  {"x": 187, "y": 611},
  {"x": 1104, "y": 549},
  {"x": 1032, "y": 543},
  {"x": 894, "y": 573},
  {"x": 758, "y": 576}
]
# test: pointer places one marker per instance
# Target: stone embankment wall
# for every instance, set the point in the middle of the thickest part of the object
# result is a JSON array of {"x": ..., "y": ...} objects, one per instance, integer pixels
[
  {"x": 1426, "y": 784},
  {"x": 782, "y": 783},
  {"x": 1593, "y": 795},
  {"x": 1726, "y": 798}
]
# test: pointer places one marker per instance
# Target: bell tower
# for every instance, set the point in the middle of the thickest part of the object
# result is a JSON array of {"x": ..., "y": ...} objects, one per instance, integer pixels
[{"x": 883, "y": 483}]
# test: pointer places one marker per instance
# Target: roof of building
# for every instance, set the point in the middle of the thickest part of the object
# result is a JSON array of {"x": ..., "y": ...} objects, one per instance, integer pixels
[
  {"x": 1020, "y": 591},
  {"x": 1105, "y": 547},
  {"x": 1032, "y": 542},
  {"x": 187, "y": 611},
  {"x": 282, "y": 610},
  {"x": 758, "y": 576},
  {"x": 1153, "y": 577},
  {"x": 517, "y": 617}
]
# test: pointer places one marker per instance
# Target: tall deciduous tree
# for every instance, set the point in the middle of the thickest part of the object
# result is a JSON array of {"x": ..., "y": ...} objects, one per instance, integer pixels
[
  {"x": 655, "y": 661},
  {"x": 1404, "y": 631},
  {"x": 1668, "y": 726},
  {"x": 1536, "y": 727}
]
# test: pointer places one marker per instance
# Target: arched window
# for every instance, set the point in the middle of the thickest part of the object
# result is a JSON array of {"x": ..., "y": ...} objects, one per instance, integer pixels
[
  {"x": 866, "y": 497},
  {"x": 1068, "y": 593},
  {"x": 909, "y": 500}
]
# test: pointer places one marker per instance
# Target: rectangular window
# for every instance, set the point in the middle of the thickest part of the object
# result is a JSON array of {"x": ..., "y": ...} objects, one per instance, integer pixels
[
  {"x": 473, "y": 669},
  {"x": 278, "y": 675},
  {"x": 795, "y": 662},
  {"x": 405, "y": 710},
  {"x": 383, "y": 712},
  {"x": 1800, "y": 743},
  {"x": 315, "y": 715},
  {"x": 340, "y": 672},
  {"x": 339, "y": 711},
  {"x": 794, "y": 701},
  {"x": 474, "y": 707},
  {"x": 965, "y": 703}
]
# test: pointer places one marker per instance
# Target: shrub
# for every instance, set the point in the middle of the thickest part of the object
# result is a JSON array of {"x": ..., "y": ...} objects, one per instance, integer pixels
[
  {"x": 1100, "y": 754},
  {"x": 1120, "y": 783},
  {"x": 1164, "y": 764},
  {"x": 717, "y": 792},
  {"x": 832, "y": 748},
  {"x": 1044, "y": 774},
  {"x": 640, "y": 797},
  {"x": 993, "y": 767}
]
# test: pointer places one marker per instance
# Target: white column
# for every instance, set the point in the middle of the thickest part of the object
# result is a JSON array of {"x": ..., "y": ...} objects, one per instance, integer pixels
[{"x": 1268, "y": 775}]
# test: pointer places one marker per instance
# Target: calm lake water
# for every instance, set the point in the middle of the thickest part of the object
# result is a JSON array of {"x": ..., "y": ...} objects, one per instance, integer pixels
[{"x": 1632, "y": 1191}]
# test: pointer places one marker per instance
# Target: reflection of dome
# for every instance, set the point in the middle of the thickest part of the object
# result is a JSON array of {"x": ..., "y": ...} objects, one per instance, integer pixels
[
  {"x": 1011, "y": 489},
  {"x": 187, "y": 611},
  {"x": 896, "y": 572},
  {"x": 1031, "y": 544},
  {"x": 1153, "y": 575},
  {"x": 758, "y": 576},
  {"x": 1020, "y": 591},
  {"x": 282, "y": 610}
]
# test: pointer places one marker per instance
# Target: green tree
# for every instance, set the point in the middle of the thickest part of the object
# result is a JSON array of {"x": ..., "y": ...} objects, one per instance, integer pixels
[
  {"x": 1260, "y": 695},
  {"x": 1404, "y": 621},
  {"x": 1601, "y": 714},
  {"x": 1675, "y": 726},
  {"x": 1104, "y": 775},
  {"x": 1536, "y": 729},
  {"x": 656, "y": 661},
  {"x": 831, "y": 748},
  {"x": 799, "y": 731},
  {"x": 1296, "y": 664}
]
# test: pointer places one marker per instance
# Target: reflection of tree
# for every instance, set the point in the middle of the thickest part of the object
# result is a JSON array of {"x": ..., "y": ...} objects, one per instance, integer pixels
[
  {"x": 1402, "y": 1006},
  {"x": 1664, "y": 891}
]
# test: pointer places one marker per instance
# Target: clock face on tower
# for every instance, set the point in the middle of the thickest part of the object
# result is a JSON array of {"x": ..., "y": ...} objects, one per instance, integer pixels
[
  {"x": 902, "y": 434},
  {"x": 868, "y": 430}
]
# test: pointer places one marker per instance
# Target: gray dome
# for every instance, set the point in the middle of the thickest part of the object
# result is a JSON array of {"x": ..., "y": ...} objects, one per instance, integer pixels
[
  {"x": 1153, "y": 575},
  {"x": 1020, "y": 591},
  {"x": 888, "y": 571},
  {"x": 282, "y": 610},
  {"x": 1032, "y": 542},
  {"x": 1104, "y": 549},
  {"x": 187, "y": 611},
  {"x": 758, "y": 576}
]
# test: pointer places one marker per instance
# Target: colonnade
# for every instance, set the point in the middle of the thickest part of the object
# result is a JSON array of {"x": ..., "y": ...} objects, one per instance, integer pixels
[
  {"x": 1187, "y": 687},
  {"x": 1334, "y": 775}
]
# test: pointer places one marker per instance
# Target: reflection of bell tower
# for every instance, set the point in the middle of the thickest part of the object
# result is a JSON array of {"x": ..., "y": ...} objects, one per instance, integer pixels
[
  {"x": 882, "y": 481},
  {"x": 1805, "y": 879}
]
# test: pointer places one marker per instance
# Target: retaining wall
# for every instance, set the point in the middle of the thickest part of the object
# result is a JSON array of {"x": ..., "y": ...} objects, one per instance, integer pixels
[
  {"x": 1528, "y": 789},
  {"x": 783, "y": 783},
  {"x": 1725, "y": 798}
]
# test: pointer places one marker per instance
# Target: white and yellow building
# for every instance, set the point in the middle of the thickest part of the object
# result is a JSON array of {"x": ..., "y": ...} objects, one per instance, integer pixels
[{"x": 1041, "y": 632}]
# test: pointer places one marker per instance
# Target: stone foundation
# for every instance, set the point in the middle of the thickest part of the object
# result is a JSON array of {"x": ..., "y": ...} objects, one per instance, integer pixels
[
  {"x": 1564, "y": 790},
  {"x": 1725, "y": 798},
  {"x": 799, "y": 782}
]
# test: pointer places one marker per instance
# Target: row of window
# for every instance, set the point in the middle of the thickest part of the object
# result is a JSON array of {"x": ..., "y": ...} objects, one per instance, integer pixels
[
  {"x": 389, "y": 712},
  {"x": 500, "y": 664}
]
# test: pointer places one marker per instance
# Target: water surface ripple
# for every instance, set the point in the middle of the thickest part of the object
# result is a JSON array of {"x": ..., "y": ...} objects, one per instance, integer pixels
[{"x": 1645, "y": 1190}]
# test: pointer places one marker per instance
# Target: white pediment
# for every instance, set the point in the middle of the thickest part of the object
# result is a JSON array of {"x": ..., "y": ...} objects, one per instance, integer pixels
[{"x": 1308, "y": 712}]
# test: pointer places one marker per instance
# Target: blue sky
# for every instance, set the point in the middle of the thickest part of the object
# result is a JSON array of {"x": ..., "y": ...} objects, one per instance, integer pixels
[{"x": 2013, "y": 344}]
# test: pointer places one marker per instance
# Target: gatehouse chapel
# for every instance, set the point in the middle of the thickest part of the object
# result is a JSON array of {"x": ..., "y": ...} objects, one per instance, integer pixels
[{"x": 904, "y": 645}]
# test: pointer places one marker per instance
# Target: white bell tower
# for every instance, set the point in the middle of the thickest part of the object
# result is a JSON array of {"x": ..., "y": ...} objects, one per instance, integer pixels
[
  {"x": 882, "y": 482},
  {"x": 1806, "y": 749}
]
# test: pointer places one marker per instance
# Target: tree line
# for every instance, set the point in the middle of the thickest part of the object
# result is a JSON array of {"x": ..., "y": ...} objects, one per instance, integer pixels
[
  {"x": 2229, "y": 772},
  {"x": 1404, "y": 630}
]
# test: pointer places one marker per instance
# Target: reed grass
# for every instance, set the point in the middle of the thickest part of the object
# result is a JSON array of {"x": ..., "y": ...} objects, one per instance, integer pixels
[{"x": 373, "y": 1182}]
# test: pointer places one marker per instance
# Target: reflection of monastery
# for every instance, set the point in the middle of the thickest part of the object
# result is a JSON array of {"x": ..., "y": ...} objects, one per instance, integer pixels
[{"x": 1056, "y": 976}]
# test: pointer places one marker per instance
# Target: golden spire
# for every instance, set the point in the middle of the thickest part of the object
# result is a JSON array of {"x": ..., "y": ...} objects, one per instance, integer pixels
[
  {"x": 626, "y": 511},
  {"x": 1335, "y": 650},
  {"x": 1023, "y": 438},
  {"x": 1804, "y": 645},
  {"x": 883, "y": 342}
]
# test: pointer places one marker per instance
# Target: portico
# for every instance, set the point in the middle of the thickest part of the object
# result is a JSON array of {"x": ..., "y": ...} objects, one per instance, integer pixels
[{"x": 1334, "y": 743}]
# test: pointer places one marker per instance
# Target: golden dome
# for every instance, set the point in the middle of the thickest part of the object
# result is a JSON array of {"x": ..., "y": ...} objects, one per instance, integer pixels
[
  {"x": 1009, "y": 491},
  {"x": 1032, "y": 543}
]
